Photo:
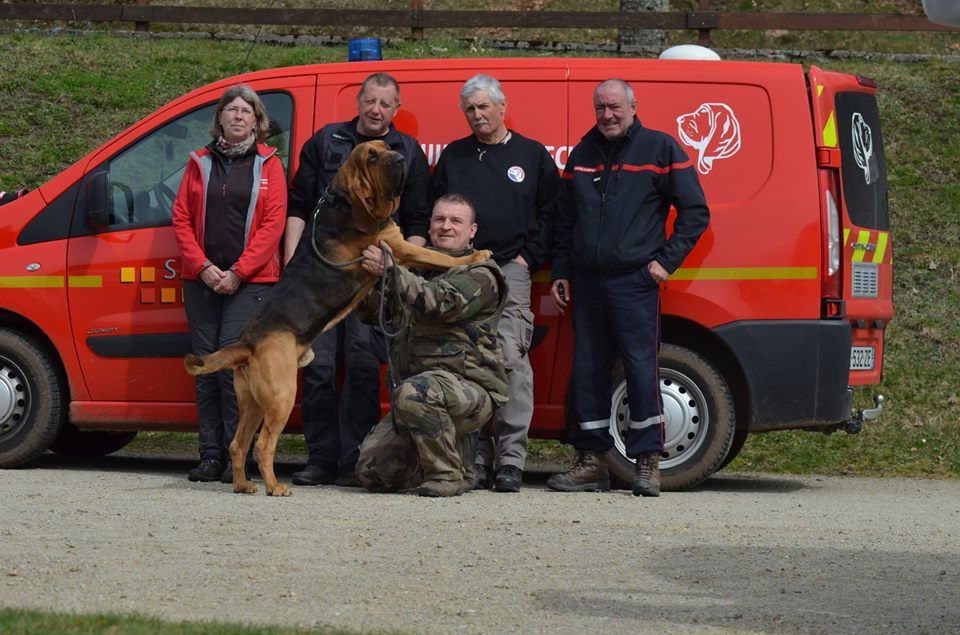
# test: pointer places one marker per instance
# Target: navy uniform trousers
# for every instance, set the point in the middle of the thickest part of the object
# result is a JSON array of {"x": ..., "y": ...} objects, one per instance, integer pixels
[{"x": 616, "y": 315}]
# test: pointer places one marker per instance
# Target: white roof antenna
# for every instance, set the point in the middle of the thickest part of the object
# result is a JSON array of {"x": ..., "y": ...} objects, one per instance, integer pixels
[{"x": 689, "y": 52}]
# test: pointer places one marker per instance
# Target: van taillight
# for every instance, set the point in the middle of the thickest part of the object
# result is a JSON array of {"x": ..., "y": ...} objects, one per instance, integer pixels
[
  {"x": 832, "y": 306},
  {"x": 833, "y": 236}
]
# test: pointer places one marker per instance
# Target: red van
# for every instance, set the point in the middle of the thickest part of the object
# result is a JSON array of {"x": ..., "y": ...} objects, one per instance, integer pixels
[{"x": 775, "y": 316}]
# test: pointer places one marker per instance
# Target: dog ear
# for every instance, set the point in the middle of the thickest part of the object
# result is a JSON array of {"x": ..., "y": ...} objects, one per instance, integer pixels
[
  {"x": 365, "y": 189},
  {"x": 352, "y": 182}
]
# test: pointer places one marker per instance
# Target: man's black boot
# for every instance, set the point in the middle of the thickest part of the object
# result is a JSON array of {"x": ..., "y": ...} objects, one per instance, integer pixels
[
  {"x": 313, "y": 475},
  {"x": 509, "y": 479},
  {"x": 207, "y": 471}
]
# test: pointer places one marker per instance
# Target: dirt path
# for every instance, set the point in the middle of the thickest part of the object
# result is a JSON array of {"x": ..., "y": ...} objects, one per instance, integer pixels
[{"x": 770, "y": 554}]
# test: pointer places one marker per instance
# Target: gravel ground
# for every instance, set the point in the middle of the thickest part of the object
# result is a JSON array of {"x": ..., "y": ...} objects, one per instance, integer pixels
[{"x": 760, "y": 554}]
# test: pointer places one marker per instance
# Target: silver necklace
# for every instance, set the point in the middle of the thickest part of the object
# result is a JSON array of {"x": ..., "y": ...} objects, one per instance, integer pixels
[{"x": 483, "y": 151}]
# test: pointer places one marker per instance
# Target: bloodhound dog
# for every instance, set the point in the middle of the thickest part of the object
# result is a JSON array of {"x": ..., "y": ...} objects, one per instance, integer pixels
[{"x": 315, "y": 291}]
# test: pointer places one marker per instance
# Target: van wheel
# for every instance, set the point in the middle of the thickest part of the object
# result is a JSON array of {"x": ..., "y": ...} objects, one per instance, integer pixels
[
  {"x": 739, "y": 438},
  {"x": 32, "y": 399},
  {"x": 74, "y": 442},
  {"x": 699, "y": 421}
]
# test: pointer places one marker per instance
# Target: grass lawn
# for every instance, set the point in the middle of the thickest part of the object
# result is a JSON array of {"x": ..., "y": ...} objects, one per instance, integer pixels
[{"x": 26, "y": 622}]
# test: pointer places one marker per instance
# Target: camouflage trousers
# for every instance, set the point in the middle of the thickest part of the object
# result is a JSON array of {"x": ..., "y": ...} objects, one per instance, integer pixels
[{"x": 428, "y": 434}]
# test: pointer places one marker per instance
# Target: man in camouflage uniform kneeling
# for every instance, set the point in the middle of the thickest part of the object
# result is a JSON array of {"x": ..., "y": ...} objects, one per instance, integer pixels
[{"x": 447, "y": 360}]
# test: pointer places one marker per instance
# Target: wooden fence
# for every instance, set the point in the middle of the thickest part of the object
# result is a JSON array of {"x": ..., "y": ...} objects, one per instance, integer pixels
[{"x": 417, "y": 19}]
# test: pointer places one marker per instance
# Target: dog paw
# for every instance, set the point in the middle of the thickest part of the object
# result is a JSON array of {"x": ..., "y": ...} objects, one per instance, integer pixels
[
  {"x": 244, "y": 487},
  {"x": 280, "y": 489},
  {"x": 482, "y": 255}
]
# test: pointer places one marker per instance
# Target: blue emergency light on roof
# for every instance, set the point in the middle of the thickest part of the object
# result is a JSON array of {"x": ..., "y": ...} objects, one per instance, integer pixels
[{"x": 363, "y": 49}]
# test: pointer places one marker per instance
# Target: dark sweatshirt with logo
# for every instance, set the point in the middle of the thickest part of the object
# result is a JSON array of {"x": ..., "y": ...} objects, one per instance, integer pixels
[{"x": 513, "y": 187}]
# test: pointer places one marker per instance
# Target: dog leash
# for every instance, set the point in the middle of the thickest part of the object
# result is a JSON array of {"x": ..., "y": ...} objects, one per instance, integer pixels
[
  {"x": 313, "y": 240},
  {"x": 402, "y": 324}
]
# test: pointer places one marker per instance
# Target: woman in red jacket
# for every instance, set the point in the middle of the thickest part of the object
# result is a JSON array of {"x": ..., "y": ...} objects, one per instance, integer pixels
[{"x": 228, "y": 219}]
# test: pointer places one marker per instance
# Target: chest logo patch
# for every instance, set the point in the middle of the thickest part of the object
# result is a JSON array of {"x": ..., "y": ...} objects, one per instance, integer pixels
[{"x": 516, "y": 174}]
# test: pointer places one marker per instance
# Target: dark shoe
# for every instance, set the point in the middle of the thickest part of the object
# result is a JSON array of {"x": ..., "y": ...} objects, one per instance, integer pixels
[
  {"x": 646, "y": 478},
  {"x": 588, "y": 474},
  {"x": 437, "y": 489},
  {"x": 509, "y": 479},
  {"x": 207, "y": 471},
  {"x": 252, "y": 472},
  {"x": 313, "y": 475},
  {"x": 347, "y": 480},
  {"x": 482, "y": 478}
]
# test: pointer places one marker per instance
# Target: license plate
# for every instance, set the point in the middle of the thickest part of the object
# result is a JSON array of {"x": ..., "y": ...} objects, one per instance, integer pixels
[{"x": 862, "y": 357}]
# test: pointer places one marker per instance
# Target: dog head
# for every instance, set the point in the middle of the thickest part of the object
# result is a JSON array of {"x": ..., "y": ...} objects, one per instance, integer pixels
[
  {"x": 713, "y": 130},
  {"x": 372, "y": 179}
]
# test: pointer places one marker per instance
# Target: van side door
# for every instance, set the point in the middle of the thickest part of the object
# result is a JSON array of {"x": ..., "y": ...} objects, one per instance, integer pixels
[{"x": 128, "y": 317}]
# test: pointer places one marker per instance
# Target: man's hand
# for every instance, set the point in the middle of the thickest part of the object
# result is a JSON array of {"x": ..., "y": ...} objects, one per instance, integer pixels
[
  {"x": 373, "y": 261},
  {"x": 657, "y": 272},
  {"x": 520, "y": 261},
  {"x": 228, "y": 284},
  {"x": 211, "y": 276},
  {"x": 562, "y": 293}
]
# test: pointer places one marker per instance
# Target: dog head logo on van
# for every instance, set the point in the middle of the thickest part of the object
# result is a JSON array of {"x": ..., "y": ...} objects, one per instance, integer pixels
[
  {"x": 713, "y": 130},
  {"x": 863, "y": 148}
]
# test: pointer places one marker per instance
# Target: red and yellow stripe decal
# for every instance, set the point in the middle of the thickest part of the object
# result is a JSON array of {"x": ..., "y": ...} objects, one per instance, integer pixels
[
  {"x": 864, "y": 237},
  {"x": 148, "y": 293}
]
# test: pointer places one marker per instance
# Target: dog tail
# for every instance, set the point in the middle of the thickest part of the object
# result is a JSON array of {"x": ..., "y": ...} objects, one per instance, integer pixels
[{"x": 231, "y": 356}]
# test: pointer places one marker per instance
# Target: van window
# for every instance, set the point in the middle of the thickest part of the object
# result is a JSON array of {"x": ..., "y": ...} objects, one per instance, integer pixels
[
  {"x": 863, "y": 168},
  {"x": 143, "y": 180}
]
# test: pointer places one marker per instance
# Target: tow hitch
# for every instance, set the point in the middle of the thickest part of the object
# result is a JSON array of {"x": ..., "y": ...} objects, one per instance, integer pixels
[{"x": 855, "y": 423}]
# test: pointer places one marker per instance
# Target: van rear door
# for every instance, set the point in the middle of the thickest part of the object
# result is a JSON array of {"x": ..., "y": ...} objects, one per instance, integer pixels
[{"x": 853, "y": 178}]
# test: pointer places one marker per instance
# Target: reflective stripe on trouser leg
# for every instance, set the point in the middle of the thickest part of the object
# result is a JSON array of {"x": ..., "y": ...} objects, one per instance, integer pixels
[
  {"x": 593, "y": 356},
  {"x": 633, "y": 309},
  {"x": 511, "y": 422}
]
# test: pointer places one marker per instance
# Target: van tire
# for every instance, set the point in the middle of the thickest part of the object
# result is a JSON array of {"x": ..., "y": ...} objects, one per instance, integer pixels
[
  {"x": 700, "y": 421},
  {"x": 74, "y": 442},
  {"x": 32, "y": 399}
]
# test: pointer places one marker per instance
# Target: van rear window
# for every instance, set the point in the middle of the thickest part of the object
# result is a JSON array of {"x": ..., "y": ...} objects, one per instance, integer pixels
[{"x": 864, "y": 169}]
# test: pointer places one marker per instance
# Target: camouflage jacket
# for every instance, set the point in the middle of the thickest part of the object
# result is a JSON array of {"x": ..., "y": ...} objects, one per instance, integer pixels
[{"x": 451, "y": 320}]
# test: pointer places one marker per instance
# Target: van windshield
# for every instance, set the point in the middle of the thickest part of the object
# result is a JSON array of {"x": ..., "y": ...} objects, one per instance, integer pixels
[{"x": 864, "y": 169}]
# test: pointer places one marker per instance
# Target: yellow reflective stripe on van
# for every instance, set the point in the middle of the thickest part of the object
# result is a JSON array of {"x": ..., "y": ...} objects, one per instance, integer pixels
[
  {"x": 727, "y": 273},
  {"x": 49, "y": 282},
  {"x": 31, "y": 282},
  {"x": 745, "y": 273},
  {"x": 863, "y": 237},
  {"x": 846, "y": 236},
  {"x": 830, "y": 132},
  {"x": 882, "y": 238},
  {"x": 86, "y": 282}
]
